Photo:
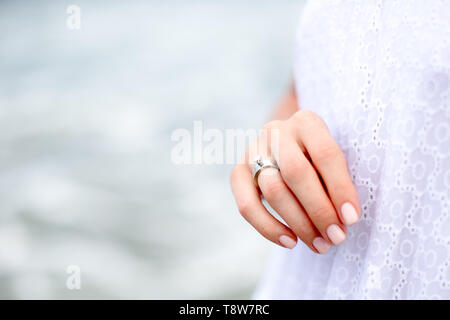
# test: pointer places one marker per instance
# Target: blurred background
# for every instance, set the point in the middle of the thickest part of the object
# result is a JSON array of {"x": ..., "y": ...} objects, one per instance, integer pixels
[{"x": 86, "y": 118}]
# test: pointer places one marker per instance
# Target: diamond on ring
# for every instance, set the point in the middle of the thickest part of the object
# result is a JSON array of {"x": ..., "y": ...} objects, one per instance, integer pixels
[{"x": 261, "y": 164}]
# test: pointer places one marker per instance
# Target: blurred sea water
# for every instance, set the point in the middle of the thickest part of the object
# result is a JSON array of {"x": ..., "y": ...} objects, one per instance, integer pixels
[{"x": 86, "y": 118}]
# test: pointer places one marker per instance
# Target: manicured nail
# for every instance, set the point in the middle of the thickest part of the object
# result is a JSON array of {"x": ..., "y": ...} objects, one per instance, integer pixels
[
  {"x": 335, "y": 233},
  {"x": 287, "y": 242},
  {"x": 349, "y": 214},
  {"x": 321, "y": 245}
]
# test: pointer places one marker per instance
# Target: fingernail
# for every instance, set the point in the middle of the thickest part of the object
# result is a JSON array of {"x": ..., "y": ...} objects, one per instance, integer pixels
[
  {"x": 321, "y": 245},
  {"x": 335, "y": 233},
  {"x": 349, "y": 214},
  {"x": 287, "y": 242}
]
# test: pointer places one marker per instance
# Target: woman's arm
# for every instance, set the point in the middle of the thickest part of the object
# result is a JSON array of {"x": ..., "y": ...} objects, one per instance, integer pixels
[{"x": 287, "y": 106}]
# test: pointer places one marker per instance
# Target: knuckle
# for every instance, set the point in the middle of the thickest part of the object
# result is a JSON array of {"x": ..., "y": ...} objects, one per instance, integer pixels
[
  {"x": 272, "y": 124},
  {"x": 293, "y": 170},
  {"x": 338, "y": 188},
  {"x": 304, "y": 231},
  {"x": 273, "y": 189},
  {"x": 244, "y": 207},
  {"x": 290, "y": 170},
  {"x": 328, "y": 152},
  {"x": 320, "y": 213},
  {"x": 343, "y": 190},
  {"x": 234, "y": 175},
  {"x": 307, "y": 117}
]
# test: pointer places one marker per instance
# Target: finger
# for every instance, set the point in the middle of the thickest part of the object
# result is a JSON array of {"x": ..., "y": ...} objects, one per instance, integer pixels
[
  {"x": 281, "y": 199},
  {"x": 250, "y": 206},
  {"x": 329, "y": 160},
  {"x": 302, "y": 179}
]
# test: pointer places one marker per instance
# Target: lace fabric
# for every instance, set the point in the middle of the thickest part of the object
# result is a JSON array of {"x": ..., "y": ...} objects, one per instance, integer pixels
[{"x": 378, "y": 73}]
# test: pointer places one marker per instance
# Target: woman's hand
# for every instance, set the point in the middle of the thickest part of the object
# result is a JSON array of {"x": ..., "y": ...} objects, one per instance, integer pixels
[{"x": 312, "y": 191}]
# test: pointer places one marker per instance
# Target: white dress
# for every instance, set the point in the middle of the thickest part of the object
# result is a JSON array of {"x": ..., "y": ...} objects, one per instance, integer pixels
[{"x": 378, "y": 72}]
